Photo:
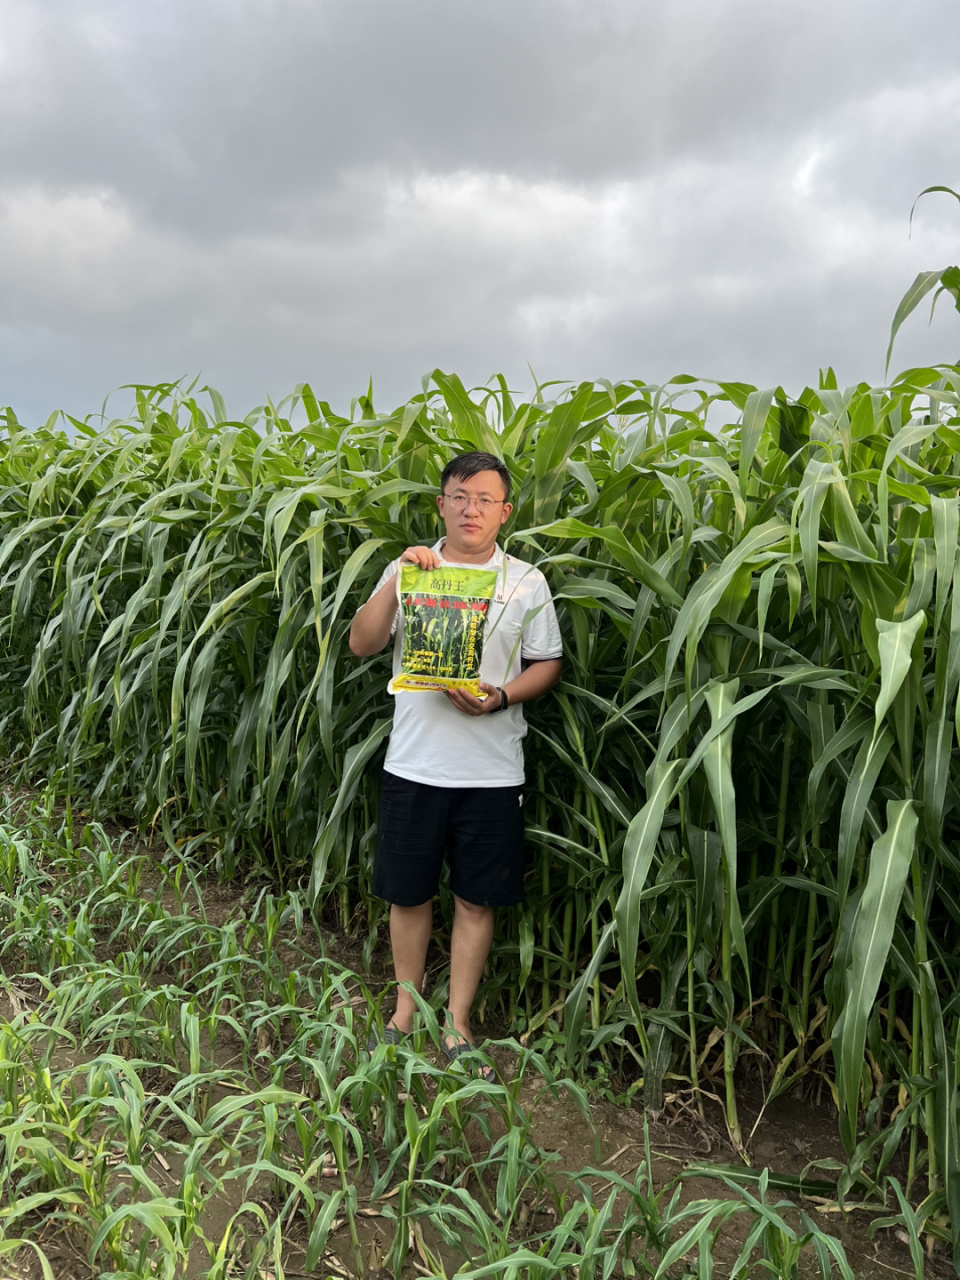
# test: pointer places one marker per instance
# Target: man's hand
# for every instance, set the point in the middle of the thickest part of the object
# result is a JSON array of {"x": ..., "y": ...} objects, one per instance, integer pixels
[
  {"x": 422, "y": 557},
  {"x": 472, "y": 706},
  {"x": 539, "y": 676}
]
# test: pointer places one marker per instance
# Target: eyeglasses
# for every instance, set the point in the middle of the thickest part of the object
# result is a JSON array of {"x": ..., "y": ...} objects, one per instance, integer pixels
[{"x": 460, "y": 502}]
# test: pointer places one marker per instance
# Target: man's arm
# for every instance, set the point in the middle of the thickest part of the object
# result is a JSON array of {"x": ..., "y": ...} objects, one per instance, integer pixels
[
  {"x": 370, "y": 629},
  {"x": 537, "y": 678}
]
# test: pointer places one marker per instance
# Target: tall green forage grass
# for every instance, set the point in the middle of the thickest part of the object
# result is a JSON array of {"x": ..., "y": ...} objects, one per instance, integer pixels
[{"x": 744, "y": 791}]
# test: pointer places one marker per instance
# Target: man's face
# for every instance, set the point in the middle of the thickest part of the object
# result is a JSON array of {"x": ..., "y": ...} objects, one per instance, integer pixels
[{"x": 473, "y": 511}]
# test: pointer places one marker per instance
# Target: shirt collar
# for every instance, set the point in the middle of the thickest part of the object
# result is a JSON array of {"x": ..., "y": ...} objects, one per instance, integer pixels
[{"x": 495, "y": 561}]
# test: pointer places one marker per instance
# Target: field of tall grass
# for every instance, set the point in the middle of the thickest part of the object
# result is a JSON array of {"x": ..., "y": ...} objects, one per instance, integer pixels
[{"x": 742, "y": 797}]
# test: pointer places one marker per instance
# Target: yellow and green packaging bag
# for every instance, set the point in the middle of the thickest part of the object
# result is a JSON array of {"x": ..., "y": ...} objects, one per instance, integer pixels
[{"x": 444, "y": 611}]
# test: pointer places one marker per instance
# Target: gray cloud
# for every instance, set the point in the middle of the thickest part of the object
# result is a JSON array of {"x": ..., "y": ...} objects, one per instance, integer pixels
[{"x": 264, "y": 192}]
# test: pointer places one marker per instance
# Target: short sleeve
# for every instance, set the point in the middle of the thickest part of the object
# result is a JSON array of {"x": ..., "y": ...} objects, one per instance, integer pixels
[{"x": 387, "y": 574}]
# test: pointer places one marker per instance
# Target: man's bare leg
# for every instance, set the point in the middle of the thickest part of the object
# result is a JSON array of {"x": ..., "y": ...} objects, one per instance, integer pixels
[
  {"x": 469, "y": 947},
  {"x": 410, "y": 929}
]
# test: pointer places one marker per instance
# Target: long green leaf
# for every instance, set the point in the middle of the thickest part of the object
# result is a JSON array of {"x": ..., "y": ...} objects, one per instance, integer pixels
[
  {"x": 721, "y": 697},
  {"x": 895, "y": 641},
  {"x": 638, "y": 850},
  {"x": 890, "y": 860}
]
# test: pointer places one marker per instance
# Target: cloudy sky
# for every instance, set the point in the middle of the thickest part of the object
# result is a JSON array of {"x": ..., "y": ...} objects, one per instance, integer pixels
[{"x": 261, "y": 192}]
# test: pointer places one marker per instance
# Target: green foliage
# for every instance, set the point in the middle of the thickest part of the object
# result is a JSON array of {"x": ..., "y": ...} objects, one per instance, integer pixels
[
  {"x": 743, "y": 803},
  {"x": 226, "y": 1119},
  {"x": 947, "y": 278}
]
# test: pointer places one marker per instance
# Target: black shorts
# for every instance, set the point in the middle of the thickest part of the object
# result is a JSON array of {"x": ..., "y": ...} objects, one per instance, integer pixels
[{"x": 481, "y": 828}]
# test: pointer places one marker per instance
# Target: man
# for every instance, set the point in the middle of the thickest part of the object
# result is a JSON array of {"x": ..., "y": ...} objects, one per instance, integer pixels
[{"x": 453, "y": 776}]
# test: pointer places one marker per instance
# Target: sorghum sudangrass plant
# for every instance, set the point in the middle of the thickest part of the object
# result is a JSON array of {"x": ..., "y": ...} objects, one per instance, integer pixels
[
  {"x": 946, "y": 280},
  {"x": 743, "y": 794}
]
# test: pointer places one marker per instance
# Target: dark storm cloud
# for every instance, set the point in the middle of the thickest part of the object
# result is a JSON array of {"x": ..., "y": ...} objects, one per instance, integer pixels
[
  {"x": 277, "y": 190},
  {"x": 252, "y": 105}
]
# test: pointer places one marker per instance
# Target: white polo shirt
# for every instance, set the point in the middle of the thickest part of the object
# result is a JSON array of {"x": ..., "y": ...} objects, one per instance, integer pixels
[{"x": 431, "y": 741}]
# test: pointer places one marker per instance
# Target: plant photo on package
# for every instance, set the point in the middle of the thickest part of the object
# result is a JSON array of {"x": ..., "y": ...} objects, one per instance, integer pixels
[{"x": 443, "y": 613}]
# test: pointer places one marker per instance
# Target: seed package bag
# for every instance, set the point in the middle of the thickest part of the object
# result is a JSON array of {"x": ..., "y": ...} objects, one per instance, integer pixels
[{"x": 443, "y": 614}]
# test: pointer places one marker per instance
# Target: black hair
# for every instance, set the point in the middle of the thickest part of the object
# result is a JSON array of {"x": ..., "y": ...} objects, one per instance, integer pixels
[{"x": 466, "y": 465}]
